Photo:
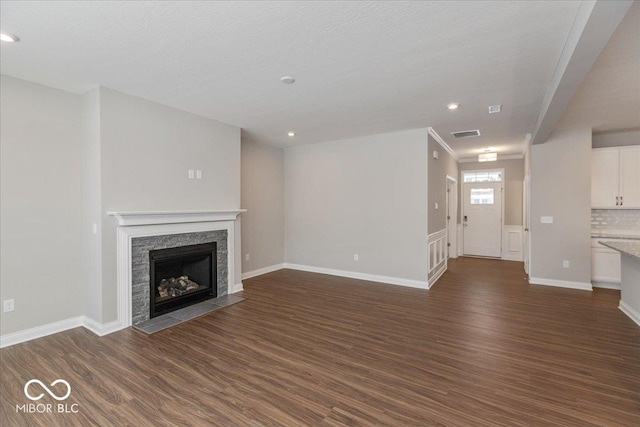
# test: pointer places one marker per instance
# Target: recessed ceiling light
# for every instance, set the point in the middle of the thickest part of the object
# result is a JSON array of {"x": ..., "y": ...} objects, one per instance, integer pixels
[
  {"x": 453, "y": 106},
  {"x": 495, "y": 108},
  {"x": 291, "y": 133},
  {"x": 9, "y": 38},
  {"x": 288, "y": 80}
]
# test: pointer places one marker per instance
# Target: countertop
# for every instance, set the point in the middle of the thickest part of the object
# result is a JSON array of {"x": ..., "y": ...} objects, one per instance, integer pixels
[
  {"x": 604, "y": 235},
  {"x": 629, "y": 248}
]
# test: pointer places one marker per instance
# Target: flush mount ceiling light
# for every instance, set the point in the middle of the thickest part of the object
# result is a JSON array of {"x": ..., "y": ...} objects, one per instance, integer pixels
[
  {"x": 453, "y": 106},
  {"x": 495, "y": 108},
  {"x": 487, "y": 157},
  {"x": 288, "y": 80},
  {"x": 9, "y": 38},
  {"x": 291, "y": 133}
]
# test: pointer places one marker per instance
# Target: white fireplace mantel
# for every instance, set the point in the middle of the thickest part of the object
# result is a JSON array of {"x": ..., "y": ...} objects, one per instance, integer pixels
[
  {"x": 173, "y": 217},
  {"x": 158, "y": 223}
]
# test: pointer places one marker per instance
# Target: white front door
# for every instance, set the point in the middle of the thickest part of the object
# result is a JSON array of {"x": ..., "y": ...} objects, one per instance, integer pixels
[{"x": 482, "y": 219}]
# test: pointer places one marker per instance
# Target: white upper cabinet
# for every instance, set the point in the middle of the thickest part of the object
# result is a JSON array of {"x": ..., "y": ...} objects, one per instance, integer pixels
[
  {"x": 604, "y": 177},
  {"x": 615, "y": 178},
  {"x": 630, "y": 177}
]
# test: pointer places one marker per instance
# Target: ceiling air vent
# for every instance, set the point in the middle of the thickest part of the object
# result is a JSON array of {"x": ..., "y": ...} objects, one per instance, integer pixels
[{"x": 466, "y": 133}]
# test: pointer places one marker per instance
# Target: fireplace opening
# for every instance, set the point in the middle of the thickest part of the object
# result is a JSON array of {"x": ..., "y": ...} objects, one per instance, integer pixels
[{"x": 181, "y": 276}]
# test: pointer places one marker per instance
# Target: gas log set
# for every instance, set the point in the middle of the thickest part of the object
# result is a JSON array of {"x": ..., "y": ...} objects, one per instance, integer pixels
[{"x": 176, "y": 286}]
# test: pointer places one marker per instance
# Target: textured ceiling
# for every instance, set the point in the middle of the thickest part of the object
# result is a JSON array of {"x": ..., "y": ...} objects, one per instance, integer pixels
[
  {"x": 609, "y": 97},
  {"x": 361, "y": 67}
]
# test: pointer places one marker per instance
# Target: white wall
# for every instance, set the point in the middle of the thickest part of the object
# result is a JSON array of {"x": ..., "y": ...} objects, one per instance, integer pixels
[
  {"x": 263, "y": 197},
  {"x": 439, "y": 168},
  {"x": 363, "y": 195},
  {"x": 561, "y": 188},
  {"x": 146, "y": 151},
  {"x": 66, "y": 161},
  {"x": 92, "y": 212},
  {"x": 41, "y": 206}
]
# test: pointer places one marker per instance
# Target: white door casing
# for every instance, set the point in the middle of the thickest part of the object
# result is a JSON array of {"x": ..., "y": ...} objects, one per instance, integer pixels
[
  {"x": 452, "y": 216},
  {"x": 525, "y": 222}
]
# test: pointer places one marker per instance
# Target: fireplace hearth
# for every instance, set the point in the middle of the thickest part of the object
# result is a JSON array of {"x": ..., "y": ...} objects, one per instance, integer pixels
[{"x": 181, "y": 276}]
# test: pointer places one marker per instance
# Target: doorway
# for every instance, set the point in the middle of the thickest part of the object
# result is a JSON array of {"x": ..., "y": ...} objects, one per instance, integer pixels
[{"x": 482, "y": 213}]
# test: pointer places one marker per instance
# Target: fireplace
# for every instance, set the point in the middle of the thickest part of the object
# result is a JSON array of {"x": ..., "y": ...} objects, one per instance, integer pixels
[{"x": 181, "y": 276}]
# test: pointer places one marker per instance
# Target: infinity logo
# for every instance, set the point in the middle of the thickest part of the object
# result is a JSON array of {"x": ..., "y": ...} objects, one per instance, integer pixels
[{"x": 52, "y": 394}]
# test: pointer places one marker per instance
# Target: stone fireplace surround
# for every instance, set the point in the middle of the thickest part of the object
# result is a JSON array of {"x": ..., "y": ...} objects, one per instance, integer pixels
[
  {"x": 138, "y": 232},
  {"x": 140, "y": 280}
]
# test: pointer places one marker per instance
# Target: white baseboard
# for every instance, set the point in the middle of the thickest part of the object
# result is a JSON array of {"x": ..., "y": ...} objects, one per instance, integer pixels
[
  {"x": 362, "y": 276},
  {"x": 605, "y": 285},
  {"x": 63, "y": 325},
  {"x": 101, "y": 329},
  {"x": 584, "y": 286},
  {"x": 236, "y": 288},
  {"x": 630, "y": 312},
  {"x": 40, "y": 331},
  {"x": 261, "y": 271}
]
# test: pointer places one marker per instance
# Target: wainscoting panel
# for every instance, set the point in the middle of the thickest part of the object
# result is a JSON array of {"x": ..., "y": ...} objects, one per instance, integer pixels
[
  {"x": 512, "y": 243},
  {"x": 437, "y": 255}
]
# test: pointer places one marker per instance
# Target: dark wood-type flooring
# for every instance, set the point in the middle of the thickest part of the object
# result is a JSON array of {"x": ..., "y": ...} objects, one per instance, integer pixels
[{"x": 481, "y": 348}]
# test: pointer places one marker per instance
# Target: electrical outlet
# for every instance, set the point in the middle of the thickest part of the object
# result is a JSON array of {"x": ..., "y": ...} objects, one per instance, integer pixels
[
  {"x": 198, "y": 174},
  {"x": 190, "y": 173},
  {"x": 565, "y": 264},
  {"x": 246, "y": 257},
  {"x": 355, "y": 257},
  {"x": 9, "y": 305}
]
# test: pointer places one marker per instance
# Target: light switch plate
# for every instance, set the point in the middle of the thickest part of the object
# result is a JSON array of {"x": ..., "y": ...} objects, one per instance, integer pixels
[{"x": 546, "y": 220}]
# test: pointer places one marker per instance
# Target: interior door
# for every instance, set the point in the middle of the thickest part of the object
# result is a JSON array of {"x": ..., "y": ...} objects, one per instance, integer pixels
[{"x": 482, "y": 219}]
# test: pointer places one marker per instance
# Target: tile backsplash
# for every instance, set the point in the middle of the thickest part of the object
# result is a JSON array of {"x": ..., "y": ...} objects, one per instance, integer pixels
[{"x": 615, "y": 219}]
